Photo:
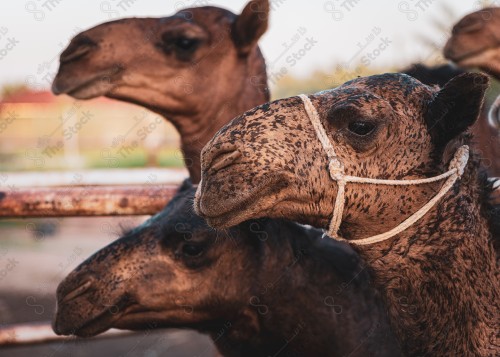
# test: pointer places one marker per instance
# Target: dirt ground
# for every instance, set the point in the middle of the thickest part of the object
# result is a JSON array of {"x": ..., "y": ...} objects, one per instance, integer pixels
[{"x": 35, "y": 255}]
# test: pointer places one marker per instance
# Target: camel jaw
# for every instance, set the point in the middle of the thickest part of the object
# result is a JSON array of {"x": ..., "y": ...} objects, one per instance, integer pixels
[
  {"x": 249, "y": 204},
  {"x": 62, "y": 325}
]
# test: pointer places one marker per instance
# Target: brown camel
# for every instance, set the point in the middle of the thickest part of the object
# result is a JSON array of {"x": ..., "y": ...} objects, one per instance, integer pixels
[
  {"x": 269, "y": 162},
  {"x": 475, "y": 43},
  {"x": 243, "y": 291},
  {"x": 201, "y": 62},
  {"x": 161, "y": 75}
]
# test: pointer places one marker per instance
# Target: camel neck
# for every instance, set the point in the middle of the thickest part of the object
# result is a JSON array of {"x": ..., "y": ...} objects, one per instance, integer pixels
[
  {"x": 310, "y": 283},
  {"x": 439, "y": 278},
  {"x": 249, "y": 89},
  {"x": 196, "y": 130}
]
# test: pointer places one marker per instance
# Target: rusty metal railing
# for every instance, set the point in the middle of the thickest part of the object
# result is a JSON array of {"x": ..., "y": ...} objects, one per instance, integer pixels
[
  {"x": 41, "y": 332},
  {"x": 85, "y": 201}
]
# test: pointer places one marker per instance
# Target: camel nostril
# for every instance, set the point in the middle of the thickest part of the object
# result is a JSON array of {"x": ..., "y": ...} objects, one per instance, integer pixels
[
  {"x": 82, "y": 288},
  {"x": 220, "y": 157},
  {"x": 77, "y": 49},
  {"x": 225, "y": 159}
]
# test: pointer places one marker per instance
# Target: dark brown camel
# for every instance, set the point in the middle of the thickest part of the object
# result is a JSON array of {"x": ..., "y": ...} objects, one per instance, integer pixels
[
  {"x": 475, "y": 43},
  {"x": 201, "y": 62},
  {"x": 262, "y": 288},
  {"x": 270, "y": 163},
  {"x": 198, "y": 281}
]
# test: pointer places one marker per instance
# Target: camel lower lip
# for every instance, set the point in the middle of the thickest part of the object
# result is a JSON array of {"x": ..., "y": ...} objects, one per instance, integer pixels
[
  {"x": 82, "y": 87},
  {"x": 103, "y": 322},
  {"x": 87, "y": 329},
  {"x": 235, "y": 213}
]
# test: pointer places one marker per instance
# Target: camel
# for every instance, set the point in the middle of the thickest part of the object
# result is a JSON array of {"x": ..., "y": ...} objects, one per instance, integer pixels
[
  {"x": 428, "y": 245},
  {"x": 244, "y": 313},
  {"x": 475, "y": 42},
  {"x": 174, "y": 63},
  {"x": 262, "y": 288},
  {"x": 160, "y": 75}
]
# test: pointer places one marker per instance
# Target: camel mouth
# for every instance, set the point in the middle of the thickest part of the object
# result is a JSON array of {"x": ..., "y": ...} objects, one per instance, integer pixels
[
  {"x": 99, "y": 323},
  {"x": 95, "y": 326},
  {"x": 241, "y": 208},
  {"x": 460, "y": 57},
  {"x": 94, "y": 87}
]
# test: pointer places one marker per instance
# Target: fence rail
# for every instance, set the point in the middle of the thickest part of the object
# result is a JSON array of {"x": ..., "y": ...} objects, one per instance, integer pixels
[
  {"x": 85, "y": 201},
  {"x": 41, "y": 332}
]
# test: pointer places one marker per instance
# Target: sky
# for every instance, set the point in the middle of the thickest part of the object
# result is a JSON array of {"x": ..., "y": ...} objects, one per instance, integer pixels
[{"x": 304, "y": 35}]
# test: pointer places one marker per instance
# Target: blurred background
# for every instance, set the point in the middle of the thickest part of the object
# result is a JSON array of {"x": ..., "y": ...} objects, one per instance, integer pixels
[{"x": 36, "y": 254}]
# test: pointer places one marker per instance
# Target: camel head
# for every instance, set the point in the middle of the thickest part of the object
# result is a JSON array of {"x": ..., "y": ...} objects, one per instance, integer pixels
[
  {"x": 171, "y": 271},
  {"x": 191, "y": 61},
  {"x": 269, "y": 162},
  {"x": 475, "y": 41}
]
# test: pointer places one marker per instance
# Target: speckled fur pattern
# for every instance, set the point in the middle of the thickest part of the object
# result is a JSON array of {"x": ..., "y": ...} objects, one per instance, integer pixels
[
  {"x": 254, "y": 287},
  {"x": 486, "y": 138},
  {"x": 440, "y": 277}
]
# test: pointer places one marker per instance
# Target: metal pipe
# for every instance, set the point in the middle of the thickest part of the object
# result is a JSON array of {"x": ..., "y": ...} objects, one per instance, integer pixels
[
  {"x": 41, "y": 332},
  {"x": 85, "y": 201}
]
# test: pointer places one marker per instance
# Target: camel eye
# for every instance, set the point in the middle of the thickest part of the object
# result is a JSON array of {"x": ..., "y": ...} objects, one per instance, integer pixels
[
  {"x": 186, "y": 44},
  {"x": 192, "y": 250},
  {"x": 182, "y": 45},
  {"x": 361, "y": 128}
]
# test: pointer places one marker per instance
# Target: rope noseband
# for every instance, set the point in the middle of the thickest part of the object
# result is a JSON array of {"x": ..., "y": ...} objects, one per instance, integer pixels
[{"x": 336, "y": 169}]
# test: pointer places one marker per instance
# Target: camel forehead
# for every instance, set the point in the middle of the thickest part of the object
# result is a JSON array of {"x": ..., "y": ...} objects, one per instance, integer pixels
[
  {"x": 388, "y": 85},
  {"x": 120, "y": 29},
  {"x": 205, "y": 17}
]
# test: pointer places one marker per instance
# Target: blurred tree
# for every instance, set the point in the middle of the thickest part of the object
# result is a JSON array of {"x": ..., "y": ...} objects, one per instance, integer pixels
[{"x": 12, "y": 88}]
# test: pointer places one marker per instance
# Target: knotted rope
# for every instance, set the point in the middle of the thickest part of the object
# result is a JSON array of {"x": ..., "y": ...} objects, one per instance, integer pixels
[{"x": 336, "y": 170}]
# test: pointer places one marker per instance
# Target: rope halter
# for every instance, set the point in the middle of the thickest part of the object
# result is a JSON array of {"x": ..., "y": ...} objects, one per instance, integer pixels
[{"x": 336, "y": 170}]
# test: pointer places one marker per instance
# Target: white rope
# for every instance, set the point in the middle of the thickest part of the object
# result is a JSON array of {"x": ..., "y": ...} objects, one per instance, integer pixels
[
  {"x": 494, "y": 114},
  {"x": 336, "y": 170}
]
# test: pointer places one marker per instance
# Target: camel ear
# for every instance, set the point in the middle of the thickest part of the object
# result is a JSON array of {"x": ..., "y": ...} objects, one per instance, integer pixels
[
  {"x": 250, "y": 25},
  {"x": 456, "y": 107}
]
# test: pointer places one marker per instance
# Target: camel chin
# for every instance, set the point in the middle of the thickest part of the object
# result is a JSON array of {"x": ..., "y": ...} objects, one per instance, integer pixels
[{"x": 89, "y": 328}]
